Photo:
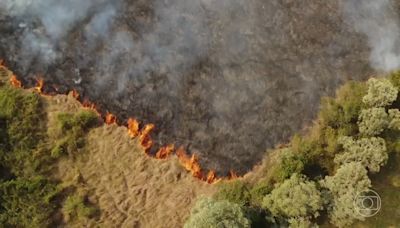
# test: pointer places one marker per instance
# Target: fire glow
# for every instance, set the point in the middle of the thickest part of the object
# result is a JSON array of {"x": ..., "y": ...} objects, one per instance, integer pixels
[{"x": 190, "y": 163}]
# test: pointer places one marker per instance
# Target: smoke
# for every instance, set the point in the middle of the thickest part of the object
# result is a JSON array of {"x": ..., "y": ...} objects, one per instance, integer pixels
[
  {"x": 226, "y": 79},
  {"x": 379, "y": 21},
  {"x": 46, "y": 23}
]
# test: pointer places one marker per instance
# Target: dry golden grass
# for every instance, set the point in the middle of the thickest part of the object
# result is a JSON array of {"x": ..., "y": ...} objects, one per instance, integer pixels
[{"x": 130, "y": 188}]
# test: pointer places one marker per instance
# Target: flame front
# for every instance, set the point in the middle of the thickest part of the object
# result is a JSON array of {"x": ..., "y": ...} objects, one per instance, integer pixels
[
  {"x": 133, "y": 128},
  {"x": 39, "y": 85},
  {"x": 110, "y": 119},
  {"x": 144, "y": 137},
  {"x": 15, "y": 82},
  {"x": 165, "y": 152},
  {"x": 190, "y": 163}
]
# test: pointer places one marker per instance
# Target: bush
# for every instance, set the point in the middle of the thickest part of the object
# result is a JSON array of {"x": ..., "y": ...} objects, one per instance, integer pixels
[
  {"x": 373, "y": 121},
  {"x": 370, "y": 152},
  {"x": 75, "y": 207},
  {"x": 23, "y": 128},
  {"x": 234, "y": 192},
  {"x": 210, "y": 213},
  {"x": 289, "y": 164},
  {"x": 343, "y": 111},
  {"x": 296, "y": 197},
  {"x": 259, "y": 191},
  {"x": 27, "y": 202},
  {"x": 72, "y": 129},
  {"x": 349, "y": 180},
  {"x": 381, "y": 93},
  {"x": 394, "y": 117}
]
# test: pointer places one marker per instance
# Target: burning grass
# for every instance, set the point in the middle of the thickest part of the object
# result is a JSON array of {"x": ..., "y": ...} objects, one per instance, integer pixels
[{"x": 190, "y": 163}]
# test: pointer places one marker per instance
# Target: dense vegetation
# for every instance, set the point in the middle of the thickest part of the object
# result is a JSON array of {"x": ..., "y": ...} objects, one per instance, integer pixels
[
  {"x": 318, "y": 176},
  {"x": 29, "y": 197}
]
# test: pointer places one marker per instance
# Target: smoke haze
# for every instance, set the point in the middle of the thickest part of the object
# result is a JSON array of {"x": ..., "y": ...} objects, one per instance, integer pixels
[
  {"x": 379, "y": 21},
  {"x": 226, "y": 79}
]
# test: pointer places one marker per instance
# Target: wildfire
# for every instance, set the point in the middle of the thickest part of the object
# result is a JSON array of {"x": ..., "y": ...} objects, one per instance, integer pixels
[
  {"x": 191, "y": 164},
  {"x": 15, "y": 82},
  {"x": 110, "y": 119},
  {"x": 39, "y": 85},
  {"x": 75, "y": 94},
  {"x": 165, "y": 151},
  {"x": 133, "y": 127},
  {"x": 144, "y": 137},
  {"x": 212, "y": 177}
]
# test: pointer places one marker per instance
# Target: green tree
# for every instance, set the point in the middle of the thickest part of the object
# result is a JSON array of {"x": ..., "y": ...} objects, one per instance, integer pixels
[
  {"x": 295, "y": 197},
  {"x": 301, "y": 223},
  {"x": 370, "y": 152},
  {"x": 349, "y": 180},
  {"x": 394, "y": 116},
  {"x": 381, "y": 93},
  {"x": 222, "y": 214},
  {"x": 373, "y": 121}
]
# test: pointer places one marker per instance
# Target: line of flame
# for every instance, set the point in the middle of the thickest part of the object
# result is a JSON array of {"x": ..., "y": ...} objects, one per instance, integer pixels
[{"x": 190, "y": 163}]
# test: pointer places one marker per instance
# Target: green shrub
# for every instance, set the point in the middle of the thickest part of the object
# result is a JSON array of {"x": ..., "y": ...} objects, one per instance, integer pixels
[
  {"x": 295, "y": 197},
  {"x": 259, "y": 190},
  {"x": 72, "y": 129},
  {"x": 27, "y": 202},
  {"x": 290, "y": 163},
  {"x": 23, "y": 126},
  {"x": 210, "y": 213},
  {"x": 235, "y": 192},
  {"x": 75, "y": 207},
  {"x": 344, "y": 110},
  {"x": 373, "y": 121},
  {"x": 381, "y": 93},
  {"x": 370, "y": 152}
]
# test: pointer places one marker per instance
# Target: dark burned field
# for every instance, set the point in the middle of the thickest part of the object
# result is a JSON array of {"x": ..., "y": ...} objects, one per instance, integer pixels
[{"x": 227, "y": 79}]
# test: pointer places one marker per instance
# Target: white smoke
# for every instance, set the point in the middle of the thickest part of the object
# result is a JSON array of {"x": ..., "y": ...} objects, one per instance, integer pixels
[
  {"x": 57, "y": 19},
  {"x": 379, "y": 21}
]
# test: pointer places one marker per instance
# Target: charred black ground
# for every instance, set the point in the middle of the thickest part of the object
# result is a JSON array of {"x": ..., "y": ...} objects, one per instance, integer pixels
[{"x": 225, "y": 79}]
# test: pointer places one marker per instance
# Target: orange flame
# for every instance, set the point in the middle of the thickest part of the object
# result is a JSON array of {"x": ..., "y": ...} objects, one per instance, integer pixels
[
  {"x": 15, "y": 82},
  {"x": 110, "y": 119},
  {"x": 75, "y": 94},
  {"x": 191, "y": 164},
  {"x": 144, "y": 137},
  {"x": 133, "y": 127},
  {"x": 165, "y": 151},
  {"x": 39, "y": 85},
  {"x": 212, "y": 177}
]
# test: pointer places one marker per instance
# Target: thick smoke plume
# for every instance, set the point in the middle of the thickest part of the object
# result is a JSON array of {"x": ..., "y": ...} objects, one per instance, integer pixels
[
  {"x": 379, "y": 21},
  {"x": 226, "y": 79}
]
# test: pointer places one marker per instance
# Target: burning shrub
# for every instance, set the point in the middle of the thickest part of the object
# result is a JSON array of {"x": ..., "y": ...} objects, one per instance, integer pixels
[{"x": 72, "y": 129}]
